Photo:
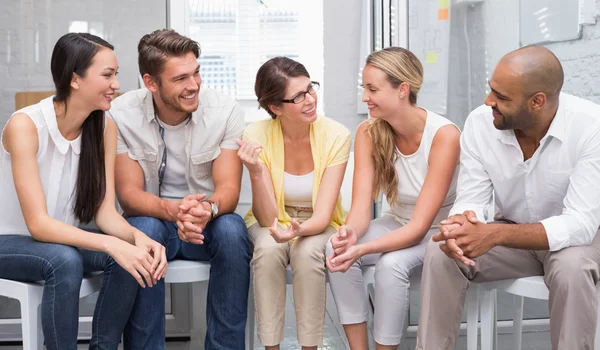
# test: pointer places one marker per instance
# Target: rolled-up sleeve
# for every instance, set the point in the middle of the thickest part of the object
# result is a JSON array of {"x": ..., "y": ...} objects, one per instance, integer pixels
[
  {"x": 474, "y": 187},
  {"x": 578, "y": 223},
  {"x": 235, "y": 128}
]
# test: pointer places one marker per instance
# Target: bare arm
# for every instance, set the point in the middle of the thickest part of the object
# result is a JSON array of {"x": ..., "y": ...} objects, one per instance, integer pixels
[
  {"x": 21, "y": 141},
  {"x": 443, "y": 158},
  {"x": 107, "y": 218},
  {"x": 362, "y": 182},
  {"x": 522, "y": 236},
  {"x": 264, "y": 205},
  {"x": 227, "y": 176},
  {"x": 129, "y": 185},
  {"x": 327, "y": 196}
]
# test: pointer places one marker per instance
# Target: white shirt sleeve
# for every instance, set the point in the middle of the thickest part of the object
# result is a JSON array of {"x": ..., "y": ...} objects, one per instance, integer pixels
[
  {"x": 474, "y": 187},
  {"x": 580, "y": 218}
]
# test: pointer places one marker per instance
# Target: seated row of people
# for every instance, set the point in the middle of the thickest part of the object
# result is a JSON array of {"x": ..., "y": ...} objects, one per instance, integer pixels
[{"x": 172, "y": 154}]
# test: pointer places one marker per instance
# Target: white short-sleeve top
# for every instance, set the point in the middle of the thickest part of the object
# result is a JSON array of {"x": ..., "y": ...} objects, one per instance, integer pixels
[{"x": 58, "y": 162}]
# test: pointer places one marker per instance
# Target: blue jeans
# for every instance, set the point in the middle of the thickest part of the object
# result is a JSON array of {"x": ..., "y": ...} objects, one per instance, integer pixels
[
  {"x": 62, "y": 267},
  {"x": 228, "y": 248}
]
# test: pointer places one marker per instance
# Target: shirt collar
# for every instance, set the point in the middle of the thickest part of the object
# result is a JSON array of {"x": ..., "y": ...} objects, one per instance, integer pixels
[
  {"x": 62, "y": 144},
  {"x": 151, "y": 115},
  {"x": 558, "y": 125},
  {"x": 556, "y": 130}
]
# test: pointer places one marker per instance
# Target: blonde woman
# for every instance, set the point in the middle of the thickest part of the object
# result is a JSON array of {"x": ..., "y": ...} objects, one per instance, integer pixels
[
  {"x": 296, "y": 163},
  {"x": 410, "y": 154}
]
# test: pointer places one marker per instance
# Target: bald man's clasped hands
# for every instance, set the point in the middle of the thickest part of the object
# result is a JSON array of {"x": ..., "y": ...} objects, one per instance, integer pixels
[{"x": 463, "y": 237}]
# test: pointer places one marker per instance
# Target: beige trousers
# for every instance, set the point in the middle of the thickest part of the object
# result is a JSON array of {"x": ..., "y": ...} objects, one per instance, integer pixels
[
  {"x": 571, "y": 275},
  {"x": 306, "y": 256}
]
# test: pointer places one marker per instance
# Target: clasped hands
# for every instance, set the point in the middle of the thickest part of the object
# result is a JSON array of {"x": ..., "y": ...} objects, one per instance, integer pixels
[
  {"x": 192, "y": 215},
  {"x": 345, "y": 250},
  {"x": 463, "y": 237}
]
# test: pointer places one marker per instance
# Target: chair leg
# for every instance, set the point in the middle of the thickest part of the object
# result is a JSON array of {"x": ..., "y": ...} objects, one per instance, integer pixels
[
  {"x": 472, "y": 316},
  {"x": 495, "y": 334},
  {"x": 199, "y": 292},
  {"x": 251, "y": 322},
  {"x": 487, "y": 319},
  {"x": 31, "y": 322},
  {"x": 517, "y": 321}
]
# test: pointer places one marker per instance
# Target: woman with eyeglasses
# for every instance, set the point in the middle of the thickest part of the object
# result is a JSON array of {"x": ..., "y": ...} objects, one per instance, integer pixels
[{"x": 296, "y": 163}]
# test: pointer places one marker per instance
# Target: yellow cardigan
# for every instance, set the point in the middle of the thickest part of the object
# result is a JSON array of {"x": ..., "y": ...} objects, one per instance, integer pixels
[{"x": 330, "y": 144}]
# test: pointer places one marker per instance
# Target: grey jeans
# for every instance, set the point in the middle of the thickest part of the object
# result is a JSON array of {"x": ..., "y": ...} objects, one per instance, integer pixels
[
  {"x": 571, "y": 275},
  {"x": 392, "y": 273}
]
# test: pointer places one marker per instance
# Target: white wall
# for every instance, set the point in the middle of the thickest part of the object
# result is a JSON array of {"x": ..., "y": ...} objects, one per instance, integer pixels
[
  {"x": 30, "y": 28},
  {"x": 493, "y": 31},
  {"x": 581, "y": 62},
  {"x": 341, "y": 40}
]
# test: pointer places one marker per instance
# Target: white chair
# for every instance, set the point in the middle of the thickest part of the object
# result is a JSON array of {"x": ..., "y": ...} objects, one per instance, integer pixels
[
  {"x": 197, "y": 272},
  {"x": 530, "y": 287},
  {"x": 30, "y": 298}
]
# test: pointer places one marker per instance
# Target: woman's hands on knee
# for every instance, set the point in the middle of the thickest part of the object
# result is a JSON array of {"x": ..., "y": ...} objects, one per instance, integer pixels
[
  {"x": 158, "y": 253},
  {"x": 135, "y": 260}
]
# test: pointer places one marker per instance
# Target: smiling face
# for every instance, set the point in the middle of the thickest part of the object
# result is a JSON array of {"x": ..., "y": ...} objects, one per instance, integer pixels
[
  {"x": 305, "y": 111},
  {"x": 507, "y": 100},
  {"x": 381, "y": 96},
  {"x": 99, "y": 83},
  {"x": 179, "y": 83}
]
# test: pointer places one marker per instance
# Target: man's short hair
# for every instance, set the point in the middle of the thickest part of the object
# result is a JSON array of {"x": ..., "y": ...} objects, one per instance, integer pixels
[{"x": 157, "y": 47}]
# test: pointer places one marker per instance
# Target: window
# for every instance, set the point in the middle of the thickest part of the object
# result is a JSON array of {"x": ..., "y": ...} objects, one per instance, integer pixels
[{"x": 238, "y": 36}]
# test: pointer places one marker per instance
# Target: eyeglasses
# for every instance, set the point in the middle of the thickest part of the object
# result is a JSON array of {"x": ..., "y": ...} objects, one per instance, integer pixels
[{"x": 312, "y": 89}]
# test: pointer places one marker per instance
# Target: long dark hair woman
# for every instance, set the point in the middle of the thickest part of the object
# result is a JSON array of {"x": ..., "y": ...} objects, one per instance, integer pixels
[{"x": 56, "y": 171}]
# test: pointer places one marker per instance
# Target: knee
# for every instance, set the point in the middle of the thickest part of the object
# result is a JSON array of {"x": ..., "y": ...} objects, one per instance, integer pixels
[
  {"x": 268, "y": 255},
  {"x": 572, "y": 270},
  {"x": 392, "y": 268},
  {"x": 152, "y": 227},
  {"x": 434, "y": 256},
  {"x": 64, "y": 267},
  {"x": 230, "y": 229},
  {"x": 307, "y": 259}
]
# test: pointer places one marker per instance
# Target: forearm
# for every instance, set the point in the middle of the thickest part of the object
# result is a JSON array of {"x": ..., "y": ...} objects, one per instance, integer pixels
[
  {"x": 264, "y": 206},
  {"x": 141, "y": 203},
  {"x": 315, "y": 225},
  {"x": 404, "y": 237},
  {"x": 50, "y": 230},
  {"x": 226, "y": 199},
  {"x": 111, "y": 223},
  {"x": 359, "y": 221},
  {"x": 520, "y": 236}
]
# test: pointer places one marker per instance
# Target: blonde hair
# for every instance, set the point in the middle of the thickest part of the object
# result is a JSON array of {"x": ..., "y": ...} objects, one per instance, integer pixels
[{"x": 401, "y": 66}]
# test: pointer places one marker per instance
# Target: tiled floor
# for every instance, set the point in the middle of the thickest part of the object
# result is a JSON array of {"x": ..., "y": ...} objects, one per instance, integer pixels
[{"x": 334, "y": 338}]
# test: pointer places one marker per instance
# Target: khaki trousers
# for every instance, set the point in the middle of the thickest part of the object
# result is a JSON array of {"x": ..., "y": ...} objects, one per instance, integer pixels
[
  {"x": 571, "y": 275},
  {"x": 306, "y": 256}
]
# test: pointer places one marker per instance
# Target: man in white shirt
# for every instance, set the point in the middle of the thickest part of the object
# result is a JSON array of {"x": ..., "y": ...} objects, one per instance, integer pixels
[
  {"x": 537, "y": 152},
  {"x": 178, "y": 180}
]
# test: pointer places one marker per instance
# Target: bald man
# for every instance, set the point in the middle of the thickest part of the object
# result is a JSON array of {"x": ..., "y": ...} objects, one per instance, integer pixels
[{"x": 537, "y": 152}]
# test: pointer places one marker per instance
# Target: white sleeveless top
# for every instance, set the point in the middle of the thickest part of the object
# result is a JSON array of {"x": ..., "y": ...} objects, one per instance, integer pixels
[
  {"x": 297, "y": 189},
  {"x": 411, "y": 171},
  {"x": 58, "y": 161}
]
